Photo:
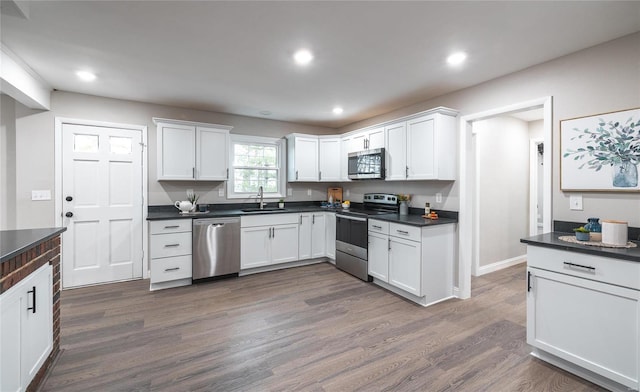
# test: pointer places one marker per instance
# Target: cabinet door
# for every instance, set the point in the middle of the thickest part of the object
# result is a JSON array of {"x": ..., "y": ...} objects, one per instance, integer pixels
[
  {"x": 37, "y": 328},
  {"x": 379, "y": 256},
  {"x": 176, "y": 152},
  {"x": 330, "y": 225},
  {"x": 212, "y": 154},
  {"x": 405, "y": 265},
  {"x": 255, "y": 248},
  {"x": 396, "y": 159},
  {"x": 594, "y": 325},
  {"x": 329, "y": 159},
  {"x": 306, "y": 159},
  {"x": 375, "y": 138},
  {"x": 12, "y": 307},
  {"x": 304, "y": 237},
  {"x": 421, "y": 153},
  {"x": 284, "y": 244},
  {"x": 318, "y": 236},
  {"x": 358, "y": 142},
  {"x": 345, "y": 145}
]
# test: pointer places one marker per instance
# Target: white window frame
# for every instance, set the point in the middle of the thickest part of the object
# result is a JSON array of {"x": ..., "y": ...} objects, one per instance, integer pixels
[{"x": 282, "y": 169}]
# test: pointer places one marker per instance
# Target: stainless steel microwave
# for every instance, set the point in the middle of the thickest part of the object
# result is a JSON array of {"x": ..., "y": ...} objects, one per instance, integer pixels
[{"x": 366, "y": 165}]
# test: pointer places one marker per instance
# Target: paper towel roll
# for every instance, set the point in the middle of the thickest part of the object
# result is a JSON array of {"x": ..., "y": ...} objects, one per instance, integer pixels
[{"x": 614, "y": 232}]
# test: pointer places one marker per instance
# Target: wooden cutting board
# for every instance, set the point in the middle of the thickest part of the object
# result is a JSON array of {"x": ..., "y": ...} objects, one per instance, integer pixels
[{"x": 334, "y": 194}]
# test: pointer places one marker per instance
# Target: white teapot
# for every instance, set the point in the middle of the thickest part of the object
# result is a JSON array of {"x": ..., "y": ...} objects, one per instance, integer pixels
[{"x": 184, "y": 206}]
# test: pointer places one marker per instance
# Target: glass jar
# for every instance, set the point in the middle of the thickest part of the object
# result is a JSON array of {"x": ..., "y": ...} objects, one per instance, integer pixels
[{"x": 593, "y": 225}]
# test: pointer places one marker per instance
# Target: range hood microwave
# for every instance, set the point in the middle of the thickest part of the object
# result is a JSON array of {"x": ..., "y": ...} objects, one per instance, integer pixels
[{"x": 366, "y": 165}]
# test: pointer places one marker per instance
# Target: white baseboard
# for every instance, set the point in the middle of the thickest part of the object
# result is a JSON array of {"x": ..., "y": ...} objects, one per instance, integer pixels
[{"x": 485, "y": 269}]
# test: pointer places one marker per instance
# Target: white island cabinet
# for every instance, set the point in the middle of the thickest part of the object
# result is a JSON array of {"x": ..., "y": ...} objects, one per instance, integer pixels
[{"x": 583, "y": 315}]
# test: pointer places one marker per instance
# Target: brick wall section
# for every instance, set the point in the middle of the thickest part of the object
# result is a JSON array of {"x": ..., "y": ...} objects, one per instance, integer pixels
[{"x": 14, "y": 270}]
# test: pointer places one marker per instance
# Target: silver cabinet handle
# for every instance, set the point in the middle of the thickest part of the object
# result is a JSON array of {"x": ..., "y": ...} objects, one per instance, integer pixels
[
  {"x": 320, "y": 175},
  {"x": 227, "y": 174},
  {"x": 172, "y": 227},
  {"x": 389, "y": 243},
  {"x": 193, "y": 172},
  {"x": 313, "y": 219},
  {"x": 171, "y": 269},
  {"x": 300, "y": 219},
  {"x": 274, "y": 232},
  {"x": 377, "y": 227},
  {"x": 403, "y": 232},
  {"x": 406, "y": 172},
  {"x": 171, "y": 245},
  {"x": 572, "y": 265},
  {"x": 296, "y": 174}
]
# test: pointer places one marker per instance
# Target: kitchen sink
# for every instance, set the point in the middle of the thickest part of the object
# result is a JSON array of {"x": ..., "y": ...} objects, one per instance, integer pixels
[{"x": 272, "y": 209}]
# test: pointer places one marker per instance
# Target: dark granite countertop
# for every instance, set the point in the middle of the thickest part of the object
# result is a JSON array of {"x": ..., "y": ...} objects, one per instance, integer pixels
[
  {"x": 550, "y": 240},
  {"x": 14, "y": 242},
  {"x": 414, "y": 220}
]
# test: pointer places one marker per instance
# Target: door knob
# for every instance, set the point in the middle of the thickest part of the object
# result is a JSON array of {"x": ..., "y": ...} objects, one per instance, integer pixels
[
  {"x": 69, "y": 214},
  {"x": 68, "y": 198}
]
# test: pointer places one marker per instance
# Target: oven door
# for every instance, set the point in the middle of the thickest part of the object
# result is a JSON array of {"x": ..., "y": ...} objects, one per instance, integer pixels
[{"x": 352, "y": 230}]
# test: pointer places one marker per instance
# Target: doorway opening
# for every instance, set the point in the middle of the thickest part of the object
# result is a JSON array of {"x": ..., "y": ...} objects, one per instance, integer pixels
[{"x": 473, "y": 181}]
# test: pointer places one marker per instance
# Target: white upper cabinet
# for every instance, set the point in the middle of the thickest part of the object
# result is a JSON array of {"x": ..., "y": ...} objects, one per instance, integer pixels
[
  {"x": 192, "y": 151},
  {"x": 422, "y": 148},
  {"x": 329, "y": 158},
  {"x": 368, "y": 139},
  {"x": 302, "y": 158},
  {"x": 345, "y": 146}
]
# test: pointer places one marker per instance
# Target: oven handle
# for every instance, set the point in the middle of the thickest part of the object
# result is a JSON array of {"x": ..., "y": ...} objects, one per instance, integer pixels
[{"x": 351, "y": 217}]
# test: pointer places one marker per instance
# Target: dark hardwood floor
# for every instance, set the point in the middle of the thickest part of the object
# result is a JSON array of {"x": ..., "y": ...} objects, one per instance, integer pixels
[{"x": 310, "y": 328}]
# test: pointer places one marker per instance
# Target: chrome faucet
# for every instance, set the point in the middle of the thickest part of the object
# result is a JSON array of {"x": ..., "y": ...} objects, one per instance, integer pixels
[{"x": 261, "y": 196}]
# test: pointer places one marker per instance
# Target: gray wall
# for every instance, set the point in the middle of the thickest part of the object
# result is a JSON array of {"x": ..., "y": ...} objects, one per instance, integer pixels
[
  {"x": 600, "y": 79},
  {"x": 502, "y": 164},
  {"x": 7, "y": 163}
]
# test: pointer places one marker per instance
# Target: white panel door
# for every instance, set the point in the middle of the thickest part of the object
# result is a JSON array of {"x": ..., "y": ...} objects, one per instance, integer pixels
[
  {"x": 421, "y": 149},
  {"x": 255, "y": 246},
  {"x": 405, "y": 265},
  {"x": 211, "y": 157},
  {"x": 375, "y": 138},
  {"x": 306, "y": 159},
  {"x": 318, "y": 235},
  {"x": 304, "y": 237},
  {"x": 358, "y": 142},
  {"x": 284, "y": 244},
  {"x": 176, "y": 152},
  {"x": 378, "y": 264},
  {"x": 345, "y": 146},
  {"x": 102, "y": 204},
  {"x": 329, "y": 159},
  {"x": 396, "y": 153},
  {"x": 12, "y": 308},
  {"x": 330, "y": 226}
]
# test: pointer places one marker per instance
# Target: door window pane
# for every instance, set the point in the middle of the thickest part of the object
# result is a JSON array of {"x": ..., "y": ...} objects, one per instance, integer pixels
[
  {"x": 85, "y": 143},
  {"x": 119, "y": 145}
]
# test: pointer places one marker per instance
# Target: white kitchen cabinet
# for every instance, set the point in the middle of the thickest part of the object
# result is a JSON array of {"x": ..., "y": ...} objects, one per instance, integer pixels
[
  {"x": 330, "y": 226},
  {"x": 268, "y": 239},
  {"x": 422, "y": 147},
  {"x": 312, "y": 239},
  {"x": 329, "y": 158},
  {"x": 345, "y": 149},
  {"x": 302, "y": 158},
  {"x": 191, "y": 151},
  {"x": 367, "y": 139},
  {"x": 414, "y": 262},
  {"x": 26, "y": 329},
  {"x": 170, "y": 250},
  {"x": 583, "y": 314}
]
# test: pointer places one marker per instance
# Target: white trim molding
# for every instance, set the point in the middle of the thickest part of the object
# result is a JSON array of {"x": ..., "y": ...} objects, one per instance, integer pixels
[{"x": 498, "y": 265}]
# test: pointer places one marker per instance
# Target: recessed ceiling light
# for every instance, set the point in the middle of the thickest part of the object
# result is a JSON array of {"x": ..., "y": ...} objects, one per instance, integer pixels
[
  {"x": 457, "y": 58},
  {"x": 303, "y": 57},
  {"x": 338, "y": 110},
  {"x": 86, "y": 76}
]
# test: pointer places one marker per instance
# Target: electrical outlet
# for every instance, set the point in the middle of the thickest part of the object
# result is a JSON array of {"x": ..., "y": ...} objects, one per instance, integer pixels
[
  {"x": 347, "y": 194},
  {"x": 221, "y": 192},
  {"x": 575, "y": 202},
  {"x": 289, "y": 192},
  {"x": 438, "y": 197},
  {"x": 309, "y": 192},
  {"x": 41, "y": 195}
]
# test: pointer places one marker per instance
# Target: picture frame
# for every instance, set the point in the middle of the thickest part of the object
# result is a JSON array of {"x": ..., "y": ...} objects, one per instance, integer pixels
[{"x": 601, "y": 152}]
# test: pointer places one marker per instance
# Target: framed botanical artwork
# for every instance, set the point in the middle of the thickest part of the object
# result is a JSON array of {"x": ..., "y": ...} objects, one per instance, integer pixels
[{"x": 600, "y": 152}]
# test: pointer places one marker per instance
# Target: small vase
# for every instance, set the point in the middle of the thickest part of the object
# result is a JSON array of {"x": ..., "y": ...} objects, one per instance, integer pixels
[
  {"x": 280, "y": 205},
  {"x": 593, "y": 225},
  {"x": 580, "y": 236},
  {"x": 625, "y": 174},
  {"x": 404, "y": 208}
]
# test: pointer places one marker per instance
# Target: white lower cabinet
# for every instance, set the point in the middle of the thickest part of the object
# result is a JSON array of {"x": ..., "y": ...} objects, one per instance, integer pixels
[
  {"x": 268, "y": 239},
  {"x": 583, "y": 315},
  {"x": 313, "y": 242},
  {"x": 170, "y": 245},
  {"x": 330, "y": 233},
  {"x": 26, "y": 329},
  {"x": 416, "y": 262}
]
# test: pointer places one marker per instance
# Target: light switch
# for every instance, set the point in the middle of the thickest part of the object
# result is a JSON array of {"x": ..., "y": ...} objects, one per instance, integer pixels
[
  {"x": 575, "y": 202},
  {"x": 309, "y": 192},
  {"x": 221, "y": 192},
  {"x": 289, "y": 192},
  {"x": 347, "y": 194},
  {"x": 438, "y": 197},
  {"x": 41, "y": 195}
]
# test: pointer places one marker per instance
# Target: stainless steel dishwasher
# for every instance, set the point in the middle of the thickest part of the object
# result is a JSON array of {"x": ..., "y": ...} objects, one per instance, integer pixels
[{"x": 216, "y": 247}]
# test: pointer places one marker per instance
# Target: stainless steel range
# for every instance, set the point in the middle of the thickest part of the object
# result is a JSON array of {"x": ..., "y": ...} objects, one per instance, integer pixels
[{"x": 351, "y": 232}]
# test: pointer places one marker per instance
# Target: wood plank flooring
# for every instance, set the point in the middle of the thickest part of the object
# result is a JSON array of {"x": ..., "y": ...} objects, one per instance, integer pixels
[{"x": 311, "y": 328}]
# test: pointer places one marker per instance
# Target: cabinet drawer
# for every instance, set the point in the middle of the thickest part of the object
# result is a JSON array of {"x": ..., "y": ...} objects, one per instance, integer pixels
[
  {"x": 404, "y": 231},
  {"x": 378, "y": 226},
  {"x": 603, "y": 269},
  {"x": 269, "y": 219},
  {"x": 170, "y": 268},
  {"x": 170, "y": 226},
  {"x": 169, "y": 245}
]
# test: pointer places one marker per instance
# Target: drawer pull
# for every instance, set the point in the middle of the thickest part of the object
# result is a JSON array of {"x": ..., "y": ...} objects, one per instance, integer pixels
[
  {"x": 572, "y": 265},
  {"x": 403, "y": 232},
  {"x": 171, "y": 245},
  {"x": 171, "y": 269},
  {"x": 32, "y": 292},
  {"x": 377, "y": 227},
  {"x": 172, "y": 227}
]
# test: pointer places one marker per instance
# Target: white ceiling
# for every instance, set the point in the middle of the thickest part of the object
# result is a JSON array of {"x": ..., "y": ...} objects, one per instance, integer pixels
[{"x": 235, "y": 57}]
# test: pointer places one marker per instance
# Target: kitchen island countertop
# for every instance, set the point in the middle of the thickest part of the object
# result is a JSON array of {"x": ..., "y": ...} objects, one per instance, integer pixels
[
  {"x": 14, "y": 242},
  {"x": 550, "y": 240}
]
